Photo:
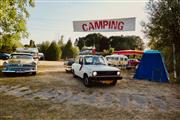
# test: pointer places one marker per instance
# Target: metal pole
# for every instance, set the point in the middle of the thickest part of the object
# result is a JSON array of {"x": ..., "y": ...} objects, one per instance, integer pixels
[{"x": 174, "y": 62}]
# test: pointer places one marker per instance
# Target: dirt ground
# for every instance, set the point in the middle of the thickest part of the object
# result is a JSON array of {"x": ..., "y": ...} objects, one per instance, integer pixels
[{"x": 53, "y": 95}]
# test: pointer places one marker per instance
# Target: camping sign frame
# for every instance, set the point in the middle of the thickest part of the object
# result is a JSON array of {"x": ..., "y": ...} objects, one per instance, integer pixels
[{"x": 106, "y": 25}]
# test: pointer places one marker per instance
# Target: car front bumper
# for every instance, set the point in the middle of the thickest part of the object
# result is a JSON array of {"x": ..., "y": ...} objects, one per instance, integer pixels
[
  {"x": 104, "y": 78},
  {"x": 68, "y": 68},
  {"x": 18, "y": 71}
]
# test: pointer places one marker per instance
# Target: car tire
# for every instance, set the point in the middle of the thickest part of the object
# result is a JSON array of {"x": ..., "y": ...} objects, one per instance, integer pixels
[
  {"x": 87, "y": 81},
  {"x": 114, "y": 82},
  {"x": 5, "y": 74},
  {"x": 74, "y": 75},
  {"x": 33, "y": 73}
]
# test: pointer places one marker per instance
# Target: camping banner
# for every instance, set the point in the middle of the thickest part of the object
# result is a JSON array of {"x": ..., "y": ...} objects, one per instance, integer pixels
[{"x": 106, "y": 25}]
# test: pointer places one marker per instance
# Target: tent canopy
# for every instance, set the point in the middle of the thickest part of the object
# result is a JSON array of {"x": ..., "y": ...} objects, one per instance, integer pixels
[
  {"x": 129, "y": 52},
  {"x": 152, "y": 67}
]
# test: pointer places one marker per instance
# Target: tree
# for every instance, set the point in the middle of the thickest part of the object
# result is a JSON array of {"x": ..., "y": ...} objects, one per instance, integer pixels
[
  {"x": 13, "y": 15},
  {"x": 61, "y": 41},
  {"x": 75, "y": 52},
  {"x": 126, "y": 42},
  {"x": 68, "y": 50},
  {"x": 117, "y": 42},
  {"x": 163, "y": 29},
  {"x": 43, "y": 47},
  {"x": 111, "y": 50},
  {"x": 32, "y": 43},
  {"x": 53, "y": 53},
  {"x": 7, "y": 45},
  {"x": 101, "y": 42},
  {"x": 80, "y": 42}
]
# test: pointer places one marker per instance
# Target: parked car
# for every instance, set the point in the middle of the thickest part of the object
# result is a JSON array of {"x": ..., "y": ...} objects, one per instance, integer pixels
[
  {"x": 93, "y": 68},
  {"x": 117, "y": 60},
  {"x": 4, "y": 56},
  {"x": 33, "y": 51},
  {"x": 20, "y": 63},
  {"x": 68, "y": 65},
  {"x": 132, "y": 63},
  {"x": 109, "y": 59},
  {"x": 41, "y": 56}
]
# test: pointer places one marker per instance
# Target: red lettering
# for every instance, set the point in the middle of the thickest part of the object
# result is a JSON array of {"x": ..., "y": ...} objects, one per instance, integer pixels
[
  {"x": 105, "y": 23},
  {"x": 91, "y": 27},
  {"x": 121, "y": 25},
  {"x": 98, "y": 24},
  {"x": 83, "y": 27},
  {"x": 109, "y": 27},
  {"x": 113, "y": 25}
]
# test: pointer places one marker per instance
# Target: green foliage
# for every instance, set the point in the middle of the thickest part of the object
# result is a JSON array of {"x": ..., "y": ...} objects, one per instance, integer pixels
[
  {"x": 43, "y": 47},
  {"x": 68, "y": 50},
  {"x": 111, "y": 50},
  {"x": 7, "y": 45},
  {"x": 53, "y": 53},
  {"x": 163, "y": 29},
  {"x": 80, "y": 42},
  {"x": 117, "y": 42},
  {"x": 13, "y": 15},
  {"x": 126, "y": 42},
  {"x": 61, "y": 41},
  {"x": 31, "y": 44},
  {"x": 101, "y": 42},
  {"x": 75, "y": 52}
]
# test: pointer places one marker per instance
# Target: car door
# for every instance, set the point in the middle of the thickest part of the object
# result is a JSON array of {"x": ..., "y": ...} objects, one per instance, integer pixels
[
  {"x": 81, "y": 67},
  {"x": 75, "y": 66},
  {"x": 78, "y": 67}
]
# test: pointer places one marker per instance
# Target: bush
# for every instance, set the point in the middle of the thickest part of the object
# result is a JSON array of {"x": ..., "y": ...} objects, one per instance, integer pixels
[{"x": 53, "y": 53}]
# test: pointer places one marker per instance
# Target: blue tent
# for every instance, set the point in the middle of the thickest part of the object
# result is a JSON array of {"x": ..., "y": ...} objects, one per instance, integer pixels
[{"x": 152, "y": 67}]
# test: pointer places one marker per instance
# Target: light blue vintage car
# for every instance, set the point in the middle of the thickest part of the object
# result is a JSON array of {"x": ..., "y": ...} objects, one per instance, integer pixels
[{"x": 20, "y": 63}]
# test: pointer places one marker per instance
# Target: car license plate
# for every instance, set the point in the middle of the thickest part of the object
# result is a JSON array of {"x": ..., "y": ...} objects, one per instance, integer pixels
[
  {"x": 19, "y": 71},
  {"x": 107, "y": 81}
]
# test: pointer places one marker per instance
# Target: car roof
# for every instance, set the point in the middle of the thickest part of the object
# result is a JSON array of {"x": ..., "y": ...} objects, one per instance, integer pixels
[
  {"x": 90, "y": 55},
  {"x": 22, "y": 54}
]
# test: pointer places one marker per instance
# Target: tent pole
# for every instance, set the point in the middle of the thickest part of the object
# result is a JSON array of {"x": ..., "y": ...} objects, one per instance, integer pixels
[{"x": 174, "y": 62}]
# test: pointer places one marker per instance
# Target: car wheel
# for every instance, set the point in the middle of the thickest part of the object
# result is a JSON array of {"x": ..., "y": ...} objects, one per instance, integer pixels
[
  {"x": 87, "y": 81},
  {"x": 74, "y": 75},
  {"x": 33, "y": 73},
  {"x": 5, "y": 74},
  {"x": 114, "y": 82}
]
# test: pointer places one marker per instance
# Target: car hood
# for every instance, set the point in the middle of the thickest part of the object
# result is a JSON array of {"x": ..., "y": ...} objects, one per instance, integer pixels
[
  {"x": 101, "y": 68},
  {"x": 20, "y": 61}
]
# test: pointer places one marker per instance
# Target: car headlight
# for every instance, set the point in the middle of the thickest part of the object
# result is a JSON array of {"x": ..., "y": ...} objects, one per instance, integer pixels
[
  {"x": 118, "y": 73},
  {"x": 94, "y": 74}
]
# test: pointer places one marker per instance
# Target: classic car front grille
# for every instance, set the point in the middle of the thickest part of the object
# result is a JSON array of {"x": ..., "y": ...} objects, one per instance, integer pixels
[
  {"x": 106, "y": 73},
  {"x": 27, "y": 65},
  {"x": 13, "y": 65},
  {"x": 20, "y": 65},
  {"x": 19, "y": 68}
]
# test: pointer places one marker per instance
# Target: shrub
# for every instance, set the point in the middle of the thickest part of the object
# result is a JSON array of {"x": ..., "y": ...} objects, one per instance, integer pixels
[{"x": 53, "y": 53}]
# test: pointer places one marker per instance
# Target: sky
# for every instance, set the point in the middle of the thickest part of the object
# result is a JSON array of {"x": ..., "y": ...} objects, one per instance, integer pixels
[{"x": 50, "y": 19}]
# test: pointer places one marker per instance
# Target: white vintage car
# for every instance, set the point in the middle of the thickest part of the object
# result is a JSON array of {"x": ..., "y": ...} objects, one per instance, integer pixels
[
  {"x": 93, "y": 68},
  {"x": 20, "y": 63}
]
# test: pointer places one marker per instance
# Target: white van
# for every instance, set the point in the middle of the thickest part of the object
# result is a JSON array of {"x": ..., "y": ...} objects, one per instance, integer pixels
[
  {"x": 117, "y": 60},
  {"x": 33, "y": 51}
]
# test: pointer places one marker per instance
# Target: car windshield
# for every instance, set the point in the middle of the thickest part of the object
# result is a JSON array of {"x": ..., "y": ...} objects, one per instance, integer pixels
[
  {"x": 15, "y": 56},
  {"x": 94, "y": 60}
]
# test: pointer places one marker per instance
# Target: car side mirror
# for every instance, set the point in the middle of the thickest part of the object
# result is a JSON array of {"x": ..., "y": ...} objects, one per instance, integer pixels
[{"x": 80, "y": 62}]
